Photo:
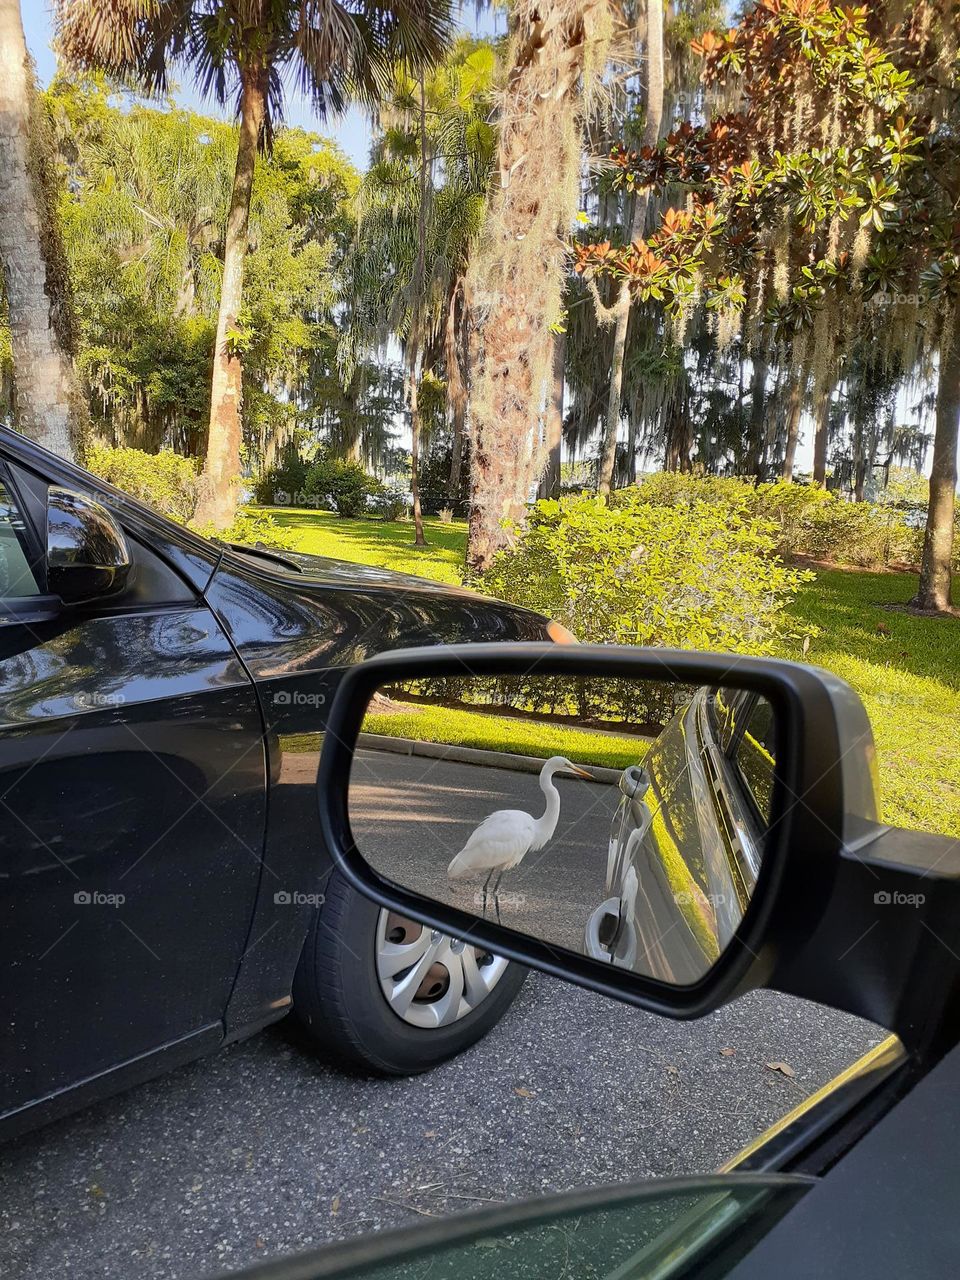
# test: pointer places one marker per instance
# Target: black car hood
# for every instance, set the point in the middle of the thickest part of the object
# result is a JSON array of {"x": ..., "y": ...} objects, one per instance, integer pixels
[{"x": 304, "y": 569}]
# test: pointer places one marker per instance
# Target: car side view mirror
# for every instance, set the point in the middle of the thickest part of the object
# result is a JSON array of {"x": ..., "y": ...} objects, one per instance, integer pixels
[
  {"x": 86, "y": 554},
  {"x": 667, "y": 827}
]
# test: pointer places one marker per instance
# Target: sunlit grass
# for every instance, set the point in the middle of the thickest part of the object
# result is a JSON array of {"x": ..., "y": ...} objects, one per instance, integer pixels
[
  {"x": 386, "y": 544},
  {"x": 906, "y": 668},
  {"x": 907, "y": 671},
  {"x": 519, "y": 736}
]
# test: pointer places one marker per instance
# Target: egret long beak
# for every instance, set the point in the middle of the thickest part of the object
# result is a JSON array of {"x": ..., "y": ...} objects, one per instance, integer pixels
[{"x": 581, "y": 773}]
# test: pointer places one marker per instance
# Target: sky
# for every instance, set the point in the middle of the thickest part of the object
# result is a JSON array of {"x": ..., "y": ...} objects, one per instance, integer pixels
[{"x": 352, "y": 130}]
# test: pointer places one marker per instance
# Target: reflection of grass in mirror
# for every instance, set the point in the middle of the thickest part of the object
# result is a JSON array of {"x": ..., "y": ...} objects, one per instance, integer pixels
[{"x": 455, "y": 727}]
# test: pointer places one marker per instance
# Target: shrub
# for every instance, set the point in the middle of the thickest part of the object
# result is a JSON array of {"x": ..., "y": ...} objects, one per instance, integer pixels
[
  {"x": 391, "y": 503},
  {"x": 252, "y": 529},
  {"x": 344, "y": 484},
  {"x": 281, "y": 484},
  {"x": 806, "y": 519},
  {"x": 694, "y": 575},
  {"x": 166, "y": 481}
]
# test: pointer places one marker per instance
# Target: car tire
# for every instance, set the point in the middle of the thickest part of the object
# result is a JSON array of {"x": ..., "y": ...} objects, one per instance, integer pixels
[{"x": 340, "y": 1002}]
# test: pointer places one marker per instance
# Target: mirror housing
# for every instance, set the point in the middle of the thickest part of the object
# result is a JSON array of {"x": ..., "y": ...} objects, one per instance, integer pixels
[
  {"x": 823, "y": 808},
  {"x": 86, "y": 553}
]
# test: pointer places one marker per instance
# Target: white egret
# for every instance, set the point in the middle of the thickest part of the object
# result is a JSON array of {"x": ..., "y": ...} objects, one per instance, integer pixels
[{"x": 502, "y": 841}]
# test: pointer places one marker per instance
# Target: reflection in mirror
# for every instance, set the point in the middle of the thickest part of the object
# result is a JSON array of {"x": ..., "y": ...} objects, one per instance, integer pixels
[{"x": 619, "y": 818}]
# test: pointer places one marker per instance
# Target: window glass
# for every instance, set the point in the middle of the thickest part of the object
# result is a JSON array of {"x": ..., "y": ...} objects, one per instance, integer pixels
[
  {"x": 754, "y": 755},
  {"x": 16, "y": 579}
]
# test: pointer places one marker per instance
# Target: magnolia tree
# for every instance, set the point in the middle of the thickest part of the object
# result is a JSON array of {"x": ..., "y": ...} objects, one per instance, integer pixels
[{"x": 827, "y": 186}]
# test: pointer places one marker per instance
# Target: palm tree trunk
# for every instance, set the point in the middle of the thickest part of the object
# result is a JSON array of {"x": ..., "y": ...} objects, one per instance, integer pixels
[
  {"x": 794, "y": 412},
  {"x": 516, "y": 276},
  {"x": 46, "y": 399},
  {"x": 651, "y": 134},
  {"x": 221, "y": 472},
  {"x": 415, "y": 433},
  {"x": 935, "y": 566},
  {"x": 755, "y": 440},
  {"x": 456, "y": 389},
  {"x": 550, "y": 480}
]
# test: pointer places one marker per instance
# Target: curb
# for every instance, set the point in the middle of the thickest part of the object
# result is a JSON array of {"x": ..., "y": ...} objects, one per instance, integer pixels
[{"x": 471, "y": 755}]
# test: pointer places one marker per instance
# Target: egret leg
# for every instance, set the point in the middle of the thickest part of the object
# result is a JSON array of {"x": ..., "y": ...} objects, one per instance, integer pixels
[
  {"x": 496, "y": 896},
  {"x": 485, "y": 883}
]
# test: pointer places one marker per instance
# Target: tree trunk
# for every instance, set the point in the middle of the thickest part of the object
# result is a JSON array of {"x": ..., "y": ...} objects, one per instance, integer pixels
[
  {"x": 456, "y": 391},
  {"x": 221, "y": 472},
  {"x": 516, "y": 276},
  {"x": 794, "y": 412},
  {"x": 415, "y": 432},
  {"x": 651, "y": 135},
  {"x": 550, "y": 480},
  {"x": 47, "y": 404},
  {"x": 821, "y": 433},
  {"x": 758, "y": 397},
  {"x": 934, "y": 589}
]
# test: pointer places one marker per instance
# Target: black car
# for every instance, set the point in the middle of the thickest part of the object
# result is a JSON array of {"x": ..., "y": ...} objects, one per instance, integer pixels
[{"x": 164, "y": 888}]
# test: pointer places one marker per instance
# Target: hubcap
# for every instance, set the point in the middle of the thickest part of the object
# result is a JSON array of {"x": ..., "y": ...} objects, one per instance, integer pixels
[{"x": 430, "y": 979}]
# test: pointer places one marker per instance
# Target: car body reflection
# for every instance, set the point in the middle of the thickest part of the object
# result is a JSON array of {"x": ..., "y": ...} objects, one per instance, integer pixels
[{"x": 687, "y": 839}]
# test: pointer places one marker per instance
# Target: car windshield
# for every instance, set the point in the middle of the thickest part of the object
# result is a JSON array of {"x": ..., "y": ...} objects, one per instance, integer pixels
[{"x": 652, "y": 1233}]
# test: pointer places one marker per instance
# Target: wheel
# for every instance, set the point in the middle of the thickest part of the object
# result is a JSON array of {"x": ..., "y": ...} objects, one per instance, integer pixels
[{"x": 383, "y": 993}]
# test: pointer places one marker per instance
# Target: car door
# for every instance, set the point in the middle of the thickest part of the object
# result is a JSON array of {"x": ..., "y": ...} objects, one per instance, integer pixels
[{"x": 132, "y": 805}]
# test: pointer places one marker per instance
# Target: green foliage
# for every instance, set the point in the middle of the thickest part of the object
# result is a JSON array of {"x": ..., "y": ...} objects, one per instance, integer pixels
[
  {"x": 391, "y": 503},
  {"x": 165, "y": 480},
  {"x": 692, "y": 577},
  {"x": 252, "y": 529},
  {"x": 283, "y": 482},
  {"x": 806, "y": 519},
  {"x": 345, "y": 485}
]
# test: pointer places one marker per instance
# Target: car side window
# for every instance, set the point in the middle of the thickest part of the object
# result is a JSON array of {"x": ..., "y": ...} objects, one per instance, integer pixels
[
  {"x": 16, "y": 577},
  {"x": 754, "y": 756}
]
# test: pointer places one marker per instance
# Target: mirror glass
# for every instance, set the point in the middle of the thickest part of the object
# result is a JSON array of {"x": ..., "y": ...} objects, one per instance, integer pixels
[
  {"x": 87, "y": 554},
  {"x": 619, "y": 818}
]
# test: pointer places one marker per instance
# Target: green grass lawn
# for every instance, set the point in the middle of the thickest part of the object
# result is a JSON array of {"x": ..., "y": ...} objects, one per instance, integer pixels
[
  {"x": 385, "y": 544},
  {"x": 508, "y": 733},
  {"x": 906, "y": 669}
]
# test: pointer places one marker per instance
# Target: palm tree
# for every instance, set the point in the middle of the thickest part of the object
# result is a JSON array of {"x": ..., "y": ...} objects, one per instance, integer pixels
[
  {"x": 420, "y": 210},
  {"x": 46, "y": 400},
  {"x": 557, "y": 50},
  {"x": 329, "y": 48}
]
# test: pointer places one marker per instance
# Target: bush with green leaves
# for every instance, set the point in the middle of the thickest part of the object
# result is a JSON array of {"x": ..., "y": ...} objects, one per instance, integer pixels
[
  {"x": 166, "y": 481},
  {"x": 344, "y": 485},
  {"x": 252, "y": 529},
  {"x": 696, "y": 575},
  {"x": 280, "y": 484},
  {"x": 807, "y": 520},
  {"x": 391, "y": 503}
]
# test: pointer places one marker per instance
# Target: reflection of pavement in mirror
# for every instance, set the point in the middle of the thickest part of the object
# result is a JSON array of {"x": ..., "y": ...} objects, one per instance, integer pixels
[{"x": 410, "y": 816}]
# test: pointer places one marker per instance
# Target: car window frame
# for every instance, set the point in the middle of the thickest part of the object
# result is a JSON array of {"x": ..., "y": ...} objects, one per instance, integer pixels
[{"x": 31, "y": 546}]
